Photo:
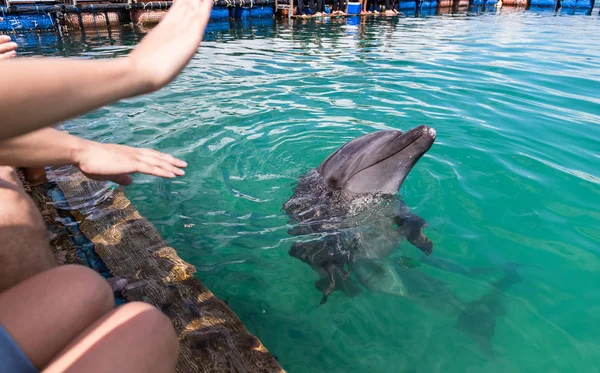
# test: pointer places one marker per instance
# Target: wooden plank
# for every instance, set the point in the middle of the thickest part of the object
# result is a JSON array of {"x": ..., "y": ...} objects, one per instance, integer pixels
[{"x": 212, "y": 337}]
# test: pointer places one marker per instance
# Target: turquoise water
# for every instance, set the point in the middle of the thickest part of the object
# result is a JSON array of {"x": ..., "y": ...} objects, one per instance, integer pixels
[{"x": 512, "y": 177}]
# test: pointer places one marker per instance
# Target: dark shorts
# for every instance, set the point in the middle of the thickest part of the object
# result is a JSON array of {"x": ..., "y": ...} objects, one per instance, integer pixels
[{"x": 12, "y": 358}]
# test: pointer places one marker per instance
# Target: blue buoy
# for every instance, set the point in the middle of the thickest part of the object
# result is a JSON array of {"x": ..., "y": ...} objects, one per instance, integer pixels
[
  {"x": 354, "y": 21},
  {"x": 26, "y": 22},
  {"x": 353, "y": 8},
  {"x": 219, "y": 13},
  {"x": 576, "y": 4},
  {"x": 407, "y": 5},
  {"x": 428, "y": 4},
  {"x": 217, "y": 25},
  {"x": 261, "y": 11},
  {"x": 543, "y": 3}
]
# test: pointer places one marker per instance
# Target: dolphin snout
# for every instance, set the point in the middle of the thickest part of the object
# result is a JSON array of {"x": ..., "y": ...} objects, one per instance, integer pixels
[
  {"x": 431, "y": 132},
  {"x": 425, "y": 131}
]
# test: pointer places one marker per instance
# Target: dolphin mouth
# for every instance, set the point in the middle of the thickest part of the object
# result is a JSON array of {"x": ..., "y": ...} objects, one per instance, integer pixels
[{"x": 423, "y": 135}]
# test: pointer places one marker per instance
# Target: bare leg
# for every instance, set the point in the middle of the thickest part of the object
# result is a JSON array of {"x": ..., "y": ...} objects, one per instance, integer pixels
[
  {"x": 46, "y": 312},
  {"x": 35, "y": 175},
  {"x": 133, "y": 338},
  {"x": 24, "y": 247},
  {"x": 63, "y": 316}
]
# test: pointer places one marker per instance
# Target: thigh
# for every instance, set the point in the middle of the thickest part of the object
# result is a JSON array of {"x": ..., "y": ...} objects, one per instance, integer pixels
[
  {"x": 133, "y": 338},
  {"x": 45, "y": 312},
  {"x": 24, "y": 246}
]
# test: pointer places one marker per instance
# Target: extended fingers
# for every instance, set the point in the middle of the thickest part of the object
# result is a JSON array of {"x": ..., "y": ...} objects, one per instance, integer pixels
[
  {"x": 8, "y": 55},
  {"x": 7, "y": 48},
  {"x": 163, "y": 161},
  {"x": 150, "y": 169},
  {"x": 159, "y": 164},
  {"x": 165, "y": 157}
]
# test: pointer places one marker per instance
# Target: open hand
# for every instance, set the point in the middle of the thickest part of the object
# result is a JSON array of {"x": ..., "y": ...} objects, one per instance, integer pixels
[
  {"x": 7, "y": 48},
  {"x": 116, "y": 162},
  {"x": 168, "y": 48}
]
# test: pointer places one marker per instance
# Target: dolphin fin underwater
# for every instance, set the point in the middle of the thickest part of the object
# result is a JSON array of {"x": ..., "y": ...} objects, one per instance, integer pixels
[{"x": 478, "y": 318}]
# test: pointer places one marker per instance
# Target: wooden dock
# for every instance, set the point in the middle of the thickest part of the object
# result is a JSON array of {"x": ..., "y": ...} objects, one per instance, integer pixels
[{"x": 144, "y": 268}]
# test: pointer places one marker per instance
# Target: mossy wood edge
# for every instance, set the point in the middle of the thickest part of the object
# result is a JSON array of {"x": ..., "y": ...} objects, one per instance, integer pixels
[{"x": 212, "y": 337}]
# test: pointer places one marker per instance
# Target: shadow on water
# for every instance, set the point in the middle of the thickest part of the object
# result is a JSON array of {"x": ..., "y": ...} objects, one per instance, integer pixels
[{"x": 477, "y": 318}]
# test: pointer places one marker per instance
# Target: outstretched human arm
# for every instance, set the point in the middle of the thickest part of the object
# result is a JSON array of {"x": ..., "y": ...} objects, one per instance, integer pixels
[
  {"x": 49, "y": 147},
  {"x": 37, "y": 93}
]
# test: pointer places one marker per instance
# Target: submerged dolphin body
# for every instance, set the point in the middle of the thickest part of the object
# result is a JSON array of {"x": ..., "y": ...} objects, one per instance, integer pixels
[
  {"x": 347, "y": 211},
  {"x": 349, "y": 220}
]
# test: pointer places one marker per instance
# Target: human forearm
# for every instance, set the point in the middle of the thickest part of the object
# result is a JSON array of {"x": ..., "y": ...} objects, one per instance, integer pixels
[
  {"x": 63, "y": 89},
  {"x": 49, "y": 147},
  {"x": 44, "y": 147}
]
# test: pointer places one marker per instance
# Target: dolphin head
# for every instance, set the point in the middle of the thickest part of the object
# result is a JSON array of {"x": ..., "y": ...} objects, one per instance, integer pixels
[{"x": 377, "y": 162}]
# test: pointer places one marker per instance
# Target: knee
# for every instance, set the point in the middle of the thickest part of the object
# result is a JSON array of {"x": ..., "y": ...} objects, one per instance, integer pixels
[
  {"x": 91, "y": 291},
  {"x": 18, "y": 210},
  {"x": 150, "y": 318},
  {"x": 9, "y": 175}
]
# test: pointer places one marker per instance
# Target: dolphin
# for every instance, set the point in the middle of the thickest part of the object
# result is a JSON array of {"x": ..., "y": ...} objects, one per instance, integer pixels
[
  {"x": 347, "y": 212},
  {"x": 348, "y": 220}
]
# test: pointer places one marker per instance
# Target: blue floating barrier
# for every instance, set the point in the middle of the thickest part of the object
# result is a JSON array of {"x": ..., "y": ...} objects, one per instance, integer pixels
[
  {"x": 242, "y": 12},
  {"x": 26, "y": 22},
  {"x": 219, "y": 13},
  {"x": 354, "y": 21},
  {"x": 353, "y": 8},
  {"x": 263, "y": 25},
  {"x": 261, "y": 11},
  {"x": 218, "y": 26},
  {"x": 578, "y": 4},
  {"x": 407, "y": 5},
  {"x": 428, "y": 4},
  {"x": 543, "y": 3},
  {"x": 428, "y": 11},
  {"x": 585, "y": 4}
]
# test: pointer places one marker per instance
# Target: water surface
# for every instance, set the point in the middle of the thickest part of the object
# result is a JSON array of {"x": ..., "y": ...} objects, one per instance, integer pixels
[{"x": 513, "y": 177}]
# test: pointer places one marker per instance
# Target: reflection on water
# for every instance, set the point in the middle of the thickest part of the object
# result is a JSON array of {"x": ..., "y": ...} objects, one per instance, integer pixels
[{"x": 109, "y": 42}]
